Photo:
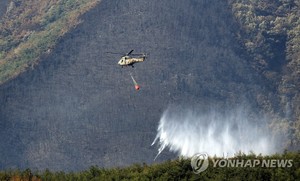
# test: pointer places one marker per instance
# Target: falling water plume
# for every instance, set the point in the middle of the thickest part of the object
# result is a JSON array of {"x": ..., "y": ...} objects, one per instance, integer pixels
[{"x": 188, "y": 132}]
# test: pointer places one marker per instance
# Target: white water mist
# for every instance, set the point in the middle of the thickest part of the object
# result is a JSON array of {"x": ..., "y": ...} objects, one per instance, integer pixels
[{"x": 188, "y": 132}]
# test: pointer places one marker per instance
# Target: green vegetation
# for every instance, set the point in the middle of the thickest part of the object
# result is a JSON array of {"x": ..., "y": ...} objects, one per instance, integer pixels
[
  {"x": 31, "y": 29},
  {"x": 179, "y": 169},
  {"x": 269, "y": 31}
]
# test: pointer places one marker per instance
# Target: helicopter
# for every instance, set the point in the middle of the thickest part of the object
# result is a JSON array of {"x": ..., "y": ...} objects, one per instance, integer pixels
[{"x": 129, "y": 59}]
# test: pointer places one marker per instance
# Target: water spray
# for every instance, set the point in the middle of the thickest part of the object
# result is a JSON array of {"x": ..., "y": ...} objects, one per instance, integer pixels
[{"x": 189, "y": 132}]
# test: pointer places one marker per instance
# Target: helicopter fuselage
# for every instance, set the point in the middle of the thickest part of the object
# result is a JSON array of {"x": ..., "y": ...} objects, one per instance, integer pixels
[{"x": 129, "y": 61}]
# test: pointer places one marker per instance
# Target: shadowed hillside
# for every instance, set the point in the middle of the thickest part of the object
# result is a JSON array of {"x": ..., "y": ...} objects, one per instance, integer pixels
[
  {"x": 78, "y": 108},
  {"x": 269, "y": 31},
  {"x": 3, "y": 6}
]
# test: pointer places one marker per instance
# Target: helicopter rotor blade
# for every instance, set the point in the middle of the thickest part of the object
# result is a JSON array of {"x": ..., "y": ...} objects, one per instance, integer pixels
[
  {"x": 115, "y": 53},
  {"x": 129, "y": 52},
  {"x": 136, "y": 54}
]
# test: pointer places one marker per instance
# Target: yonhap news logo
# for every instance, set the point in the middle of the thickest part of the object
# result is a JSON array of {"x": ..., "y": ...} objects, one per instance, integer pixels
[{"x": 201, "y": 161}]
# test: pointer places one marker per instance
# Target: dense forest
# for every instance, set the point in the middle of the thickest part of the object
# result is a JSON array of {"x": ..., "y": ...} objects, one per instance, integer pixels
[
  {"x": 179, "y": 169},
  {"x": 270, "y": 33}
]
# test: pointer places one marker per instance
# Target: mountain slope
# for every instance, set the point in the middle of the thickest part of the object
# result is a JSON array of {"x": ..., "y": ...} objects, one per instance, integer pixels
[
  {"x": 3, "y": 7},
  {"x": 30, "y": 29},
  {"x": 269, "y": 31},
  {"x": 77, "y": 106}
]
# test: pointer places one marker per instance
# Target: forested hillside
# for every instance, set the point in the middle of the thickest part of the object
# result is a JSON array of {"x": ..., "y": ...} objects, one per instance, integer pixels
[
  {"x": 178, "y": 169},
  {"x": 3, "y": 7},
  {"x": 269, "y": 31},
  {"x": 30, "y": 29},
  {"x": 66, "y": 105}
]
